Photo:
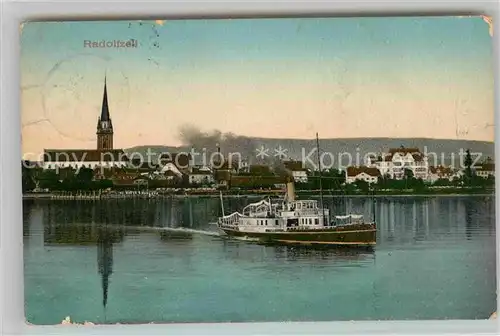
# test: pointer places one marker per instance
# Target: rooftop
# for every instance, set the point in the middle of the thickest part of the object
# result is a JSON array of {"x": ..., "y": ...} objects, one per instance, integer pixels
[{"x": 355, "y": 171}]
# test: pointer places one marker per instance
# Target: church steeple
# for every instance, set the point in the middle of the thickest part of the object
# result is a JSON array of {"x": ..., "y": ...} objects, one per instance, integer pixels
[
  {"x": 105, "y": 108},
  {"x": 104, "y": 124}
]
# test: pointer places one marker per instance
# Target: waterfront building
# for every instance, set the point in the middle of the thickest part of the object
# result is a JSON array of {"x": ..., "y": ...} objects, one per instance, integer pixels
[
  {"x": 362, "y": 173},
  {"x": 400, "y": 159}
]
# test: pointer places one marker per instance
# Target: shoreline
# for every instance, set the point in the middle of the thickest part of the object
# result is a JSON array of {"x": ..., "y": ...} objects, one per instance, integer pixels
[{"x": 51, "y": 196}]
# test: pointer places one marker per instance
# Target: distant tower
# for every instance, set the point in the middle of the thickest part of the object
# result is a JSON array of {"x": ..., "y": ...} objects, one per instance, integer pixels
[{"x": 104, "y": 125}]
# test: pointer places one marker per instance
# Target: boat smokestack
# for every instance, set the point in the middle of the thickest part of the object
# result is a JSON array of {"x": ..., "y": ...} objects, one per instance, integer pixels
[{"x": 290, "y": 190}]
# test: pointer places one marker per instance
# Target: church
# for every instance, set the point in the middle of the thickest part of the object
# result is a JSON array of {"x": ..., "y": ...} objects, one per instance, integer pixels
[{"x": 104, "y": 156}]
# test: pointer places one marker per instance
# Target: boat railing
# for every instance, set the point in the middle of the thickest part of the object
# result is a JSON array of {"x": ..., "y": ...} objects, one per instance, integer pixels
[
  {"x": 259, "y": 208},
  {"x": 230, "y": 220}
]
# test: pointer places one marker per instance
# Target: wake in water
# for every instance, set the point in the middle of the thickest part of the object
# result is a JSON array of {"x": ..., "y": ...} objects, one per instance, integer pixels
[
  {"x": 188, "y": 230},
  {"x": 246, "y": 239},
  {"x": 153, "y": 229},
  {"x": 173, "y": 229}
]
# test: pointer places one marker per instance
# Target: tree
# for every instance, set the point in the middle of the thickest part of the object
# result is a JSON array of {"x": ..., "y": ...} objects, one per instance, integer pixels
[
  {"x": 417, "y": 184},
  {"x": 362, "y": 185},
  {"x": 442, "y": 182},
  {"x": 331, "y": 179},
  {"x": 490, "y": 181},
  {"x": 468, "y": 167},
  {"x": 85, "y": 175},
  {"x": 408, "y": 174},
  {"x": 383, "y": 181},
  {"x": 457, "y": 181},
  {"x": 28, "y": 182},
  {"x": 49, "y": 179}
]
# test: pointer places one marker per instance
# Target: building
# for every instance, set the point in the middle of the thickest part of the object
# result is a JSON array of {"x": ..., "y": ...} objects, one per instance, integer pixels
[
  {"x": 441, "y": 172},
  {"x": 362, "y": 173},
  {"x": 298, "y": 171},
  {"x": 142, "y": 166},
  {"x": 171, "y": 169},
  {"x": 260, "y": 170},
  {"x": 244, "y": 166},
  {"x": 103, "y": 156},
  {"x": 485, "y": 169},
  {"x": 201, "y": 176},
  {"x": 222, "y": 170},
  {"x": 175, "y": 161},
  {"x": 400, "y": 159},
  {"x": 222, "y": 178},
  {"x": 173, "y": 177}
]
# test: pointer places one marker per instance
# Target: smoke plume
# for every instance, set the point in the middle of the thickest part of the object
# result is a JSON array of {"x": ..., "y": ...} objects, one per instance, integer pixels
[{"x": 192, "y": 136}]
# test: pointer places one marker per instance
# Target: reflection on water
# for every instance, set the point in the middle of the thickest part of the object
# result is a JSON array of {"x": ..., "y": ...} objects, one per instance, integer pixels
[
  {"x": 164, "y": 262},
  {"x": 234, "y": 249},
  {"x": 105, "y": 260}
]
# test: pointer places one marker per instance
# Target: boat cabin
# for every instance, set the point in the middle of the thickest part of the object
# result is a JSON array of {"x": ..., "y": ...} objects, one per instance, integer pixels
[{"x": 307, "y": 206}]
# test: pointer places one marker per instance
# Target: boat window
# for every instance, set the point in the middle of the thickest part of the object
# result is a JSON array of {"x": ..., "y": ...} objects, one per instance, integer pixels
[
  {"x": 277, "y": 222},
  {"x": 310, "y": 221},
  {"x": 266, "y": 222},
  {"x": 316, "y": 221}
]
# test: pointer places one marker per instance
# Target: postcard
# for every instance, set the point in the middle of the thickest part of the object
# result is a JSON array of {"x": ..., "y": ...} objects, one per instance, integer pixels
[{"x": 254, "y": 170}]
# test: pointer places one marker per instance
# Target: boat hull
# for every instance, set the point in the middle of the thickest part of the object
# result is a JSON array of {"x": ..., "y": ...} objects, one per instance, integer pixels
[{"x": 361, "y": 235}]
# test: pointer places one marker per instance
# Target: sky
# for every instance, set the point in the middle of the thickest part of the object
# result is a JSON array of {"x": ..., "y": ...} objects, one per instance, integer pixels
[{"x": 392, "y": 77}]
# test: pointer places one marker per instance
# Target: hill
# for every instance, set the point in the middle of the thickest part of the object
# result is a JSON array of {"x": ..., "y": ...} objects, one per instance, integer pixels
[{"x": 346, "y": 151}]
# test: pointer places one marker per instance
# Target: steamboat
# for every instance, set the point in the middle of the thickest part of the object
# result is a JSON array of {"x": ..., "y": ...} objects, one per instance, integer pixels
[{"x": 298, "y": 222}]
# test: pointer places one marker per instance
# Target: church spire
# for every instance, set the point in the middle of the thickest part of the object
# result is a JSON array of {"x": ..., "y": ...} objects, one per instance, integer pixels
[
  {"x": 105, "y": 108},
  {"x": 104, "y": 124}
]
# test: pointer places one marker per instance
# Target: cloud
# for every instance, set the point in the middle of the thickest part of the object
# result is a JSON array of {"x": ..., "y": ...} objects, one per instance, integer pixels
[
  {"x": 489, "y": 21},
  {"x": 160, "y": 22}
]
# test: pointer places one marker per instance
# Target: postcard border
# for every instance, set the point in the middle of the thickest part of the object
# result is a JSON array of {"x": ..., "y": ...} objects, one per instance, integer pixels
[{"x": 12, "y": 319}]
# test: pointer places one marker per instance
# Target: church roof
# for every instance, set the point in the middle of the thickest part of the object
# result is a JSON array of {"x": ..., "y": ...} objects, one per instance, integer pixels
[{"x": 84, "y": 155}]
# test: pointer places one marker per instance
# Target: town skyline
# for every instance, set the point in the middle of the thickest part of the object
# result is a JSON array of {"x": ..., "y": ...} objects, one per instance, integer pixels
[{"x": 288, "y": 79}]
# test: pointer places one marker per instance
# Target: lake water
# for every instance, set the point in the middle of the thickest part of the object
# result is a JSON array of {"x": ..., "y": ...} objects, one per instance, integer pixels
[{"x": 117, "y": 261}]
